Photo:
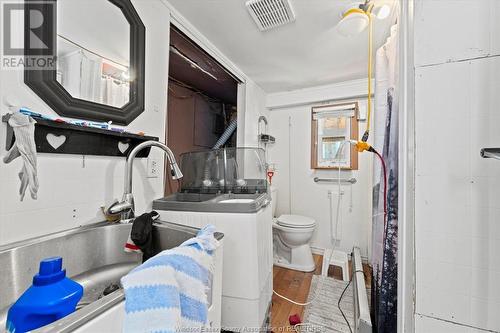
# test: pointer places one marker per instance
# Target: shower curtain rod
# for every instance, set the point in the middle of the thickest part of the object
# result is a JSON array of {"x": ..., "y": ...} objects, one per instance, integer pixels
[{"x": 94, "y": 53}]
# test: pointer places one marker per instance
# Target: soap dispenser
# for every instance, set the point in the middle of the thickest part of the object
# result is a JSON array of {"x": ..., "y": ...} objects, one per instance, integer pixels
[{"x": 51, "y": 297}]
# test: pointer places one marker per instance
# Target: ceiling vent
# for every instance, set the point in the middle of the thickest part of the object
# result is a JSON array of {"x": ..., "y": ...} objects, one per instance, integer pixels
[{"x": 270, "y": 14}]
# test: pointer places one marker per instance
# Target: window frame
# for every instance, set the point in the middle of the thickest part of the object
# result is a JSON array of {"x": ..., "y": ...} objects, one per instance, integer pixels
[{"x": 354, "y": 129}]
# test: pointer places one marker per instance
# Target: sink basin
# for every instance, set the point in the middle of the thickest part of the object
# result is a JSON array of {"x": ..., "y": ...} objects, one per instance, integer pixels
[
  {"x": 92, "y": 255},
  {"x": 222, "y": 203},
  {"x": 192, "y": 197}
]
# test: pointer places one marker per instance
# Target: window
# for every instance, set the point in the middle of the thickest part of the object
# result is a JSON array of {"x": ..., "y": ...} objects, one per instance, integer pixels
[{"x": 331, "y": 126}]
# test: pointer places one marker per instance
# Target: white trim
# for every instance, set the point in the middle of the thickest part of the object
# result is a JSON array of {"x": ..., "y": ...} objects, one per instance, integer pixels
[
  {"x": 180, "y": 22},
  {"x": 240, "y": 116},
  {"x": 362, "y": 318},
  {"x": 406, "y": 223},
  {"x": 330, "y": 92},
  {"x": 317, "y": 250}
]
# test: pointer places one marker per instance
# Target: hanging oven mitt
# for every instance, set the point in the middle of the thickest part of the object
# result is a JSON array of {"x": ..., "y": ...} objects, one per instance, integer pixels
[{"x": 24, "y": 146}]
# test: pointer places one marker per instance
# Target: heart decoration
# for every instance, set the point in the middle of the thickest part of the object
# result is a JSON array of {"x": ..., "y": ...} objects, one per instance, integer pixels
[
  {"x": 123, "y": 146},
  {"x": 55, "y": 141}
]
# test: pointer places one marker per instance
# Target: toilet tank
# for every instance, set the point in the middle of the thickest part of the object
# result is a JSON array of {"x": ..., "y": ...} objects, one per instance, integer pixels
[{"x": 274, "y": 197}]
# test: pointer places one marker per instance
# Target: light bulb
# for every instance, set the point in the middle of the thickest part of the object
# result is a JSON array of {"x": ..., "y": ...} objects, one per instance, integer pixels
[{"x": 383, "y": 12}]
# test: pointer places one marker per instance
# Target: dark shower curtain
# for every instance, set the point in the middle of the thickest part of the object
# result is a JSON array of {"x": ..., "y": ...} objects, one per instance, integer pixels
[{"x": 385, "y": 236}]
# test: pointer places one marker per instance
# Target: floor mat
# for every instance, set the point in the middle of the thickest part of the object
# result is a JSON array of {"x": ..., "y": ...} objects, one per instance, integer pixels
[{"x": 323, "y": 315}]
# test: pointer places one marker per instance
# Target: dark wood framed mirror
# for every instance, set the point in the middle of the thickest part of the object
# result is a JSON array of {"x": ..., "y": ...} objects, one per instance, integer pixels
[{"x": 98, "y": 48}]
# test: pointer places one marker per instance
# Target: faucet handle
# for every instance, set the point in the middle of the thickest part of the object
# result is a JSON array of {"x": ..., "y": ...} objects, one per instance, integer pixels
[{"x": 119, "y": 207}]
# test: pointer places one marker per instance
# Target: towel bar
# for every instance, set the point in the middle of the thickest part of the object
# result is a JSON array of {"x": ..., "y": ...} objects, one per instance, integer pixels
[{"x": 335, "y": 180}]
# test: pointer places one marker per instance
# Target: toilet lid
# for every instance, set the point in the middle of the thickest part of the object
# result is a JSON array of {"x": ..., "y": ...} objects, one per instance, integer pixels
[{"x": 296, "y": 221}]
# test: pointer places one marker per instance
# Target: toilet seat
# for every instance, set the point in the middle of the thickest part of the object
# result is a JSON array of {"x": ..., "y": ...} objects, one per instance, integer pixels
[{"x": 295, "y": 221}]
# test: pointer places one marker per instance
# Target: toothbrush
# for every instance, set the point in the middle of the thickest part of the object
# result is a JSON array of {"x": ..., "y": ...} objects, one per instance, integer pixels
[
  {"x": 99, "y": 125},
  {"x": 28, "y": 112}
]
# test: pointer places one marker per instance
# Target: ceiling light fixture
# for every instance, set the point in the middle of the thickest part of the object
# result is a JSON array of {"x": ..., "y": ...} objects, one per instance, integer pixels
[
  {"x": 358, "y": 15},
  {"x": 354, "y": 20}
]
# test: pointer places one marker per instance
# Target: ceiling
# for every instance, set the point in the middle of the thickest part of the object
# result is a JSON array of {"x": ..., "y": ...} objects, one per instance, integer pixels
[{"x": 305, "y": 53}]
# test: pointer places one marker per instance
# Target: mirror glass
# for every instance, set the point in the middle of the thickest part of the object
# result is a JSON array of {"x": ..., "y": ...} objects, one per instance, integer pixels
[{"x": 93, "y": 51}]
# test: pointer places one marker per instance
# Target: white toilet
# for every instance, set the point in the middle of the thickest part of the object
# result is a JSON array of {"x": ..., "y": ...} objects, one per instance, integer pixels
[{"x": 291, "y": 236}]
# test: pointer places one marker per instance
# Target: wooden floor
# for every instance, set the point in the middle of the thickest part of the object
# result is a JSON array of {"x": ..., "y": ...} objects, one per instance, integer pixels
[{"x": 295, "y": 285}]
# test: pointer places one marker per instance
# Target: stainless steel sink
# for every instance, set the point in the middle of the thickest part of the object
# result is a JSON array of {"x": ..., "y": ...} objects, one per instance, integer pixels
[{"x": 92, "y": 255}]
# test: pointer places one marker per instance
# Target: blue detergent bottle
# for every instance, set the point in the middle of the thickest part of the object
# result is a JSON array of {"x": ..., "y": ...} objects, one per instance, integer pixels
[{"x": 51, "y": 297}]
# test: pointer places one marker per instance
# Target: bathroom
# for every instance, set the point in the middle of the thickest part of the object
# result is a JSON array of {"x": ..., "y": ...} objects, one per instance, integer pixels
[{"x": 287, "y": 194}]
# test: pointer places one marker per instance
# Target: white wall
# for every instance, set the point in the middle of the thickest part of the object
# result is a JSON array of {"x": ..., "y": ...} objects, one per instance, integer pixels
[
  {"x": 457, "y": 216},
  {"x": 253, "y": 102},
  {"x": 293, "y": 161},
  {"x": 71, "y": 193}
]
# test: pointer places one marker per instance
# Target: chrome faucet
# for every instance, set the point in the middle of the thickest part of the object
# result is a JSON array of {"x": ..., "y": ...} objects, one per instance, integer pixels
[{"x": 126, "y": 206}]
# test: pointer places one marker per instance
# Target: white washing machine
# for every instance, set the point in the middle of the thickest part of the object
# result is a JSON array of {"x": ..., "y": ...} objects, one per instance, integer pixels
[{"x": 247, "y": 279}]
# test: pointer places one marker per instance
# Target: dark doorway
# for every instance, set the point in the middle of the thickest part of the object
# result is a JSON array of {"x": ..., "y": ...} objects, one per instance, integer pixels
[{"x": 202, "y": 99}]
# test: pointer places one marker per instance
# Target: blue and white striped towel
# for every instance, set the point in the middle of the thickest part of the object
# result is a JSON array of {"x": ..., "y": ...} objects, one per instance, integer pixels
[{"x": 168, "y": 293}]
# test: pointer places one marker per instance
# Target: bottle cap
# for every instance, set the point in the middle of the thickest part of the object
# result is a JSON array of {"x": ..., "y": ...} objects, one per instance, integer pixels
[{"x": 50, "y": 272}]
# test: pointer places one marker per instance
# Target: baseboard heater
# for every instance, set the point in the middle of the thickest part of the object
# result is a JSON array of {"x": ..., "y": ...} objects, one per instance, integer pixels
[{"x": 362, "y": 319}]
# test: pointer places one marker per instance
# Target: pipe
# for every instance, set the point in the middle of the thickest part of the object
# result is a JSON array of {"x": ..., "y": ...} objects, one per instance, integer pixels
[
  {"x": 226, "y": 135},
  {"x": 264, "y": 119},
  {"x": 207, "y": 182}
]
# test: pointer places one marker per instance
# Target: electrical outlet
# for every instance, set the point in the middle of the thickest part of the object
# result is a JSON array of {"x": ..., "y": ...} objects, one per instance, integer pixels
[{"x": 154, "y": 167}]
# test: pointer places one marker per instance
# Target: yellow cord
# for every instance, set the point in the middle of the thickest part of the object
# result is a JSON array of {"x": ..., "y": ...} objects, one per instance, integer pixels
[{"x": 370, "y": 70}]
